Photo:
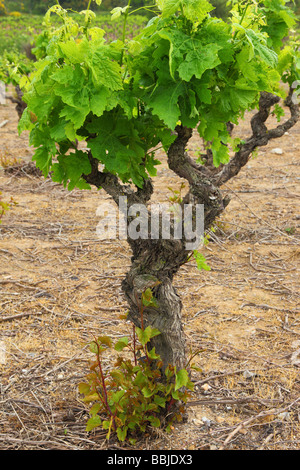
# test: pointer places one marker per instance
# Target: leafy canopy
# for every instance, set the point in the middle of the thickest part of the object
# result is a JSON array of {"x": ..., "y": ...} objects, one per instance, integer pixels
[{"x": 124, "y": 98}]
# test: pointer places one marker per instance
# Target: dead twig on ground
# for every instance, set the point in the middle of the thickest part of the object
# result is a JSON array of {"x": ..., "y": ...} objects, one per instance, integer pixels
[{"x": 260, "y": 415}]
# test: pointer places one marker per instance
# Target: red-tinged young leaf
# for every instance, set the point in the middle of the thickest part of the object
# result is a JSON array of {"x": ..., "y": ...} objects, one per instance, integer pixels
[
  {"x": 117, "y": 375},
  {"x": 105, "y": 340},
  {"x": 94, "y": 348},
  {"x": 123, "y": 316},
  {"x": 92, "y": 397},
  {"x": 169, "y": 371},
  {"x": 147, "y": 392},
  {"x": 84, "y": 388}
]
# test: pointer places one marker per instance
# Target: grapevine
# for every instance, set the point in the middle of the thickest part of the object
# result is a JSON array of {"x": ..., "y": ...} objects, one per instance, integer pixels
[{"x": 121, "y": 100}]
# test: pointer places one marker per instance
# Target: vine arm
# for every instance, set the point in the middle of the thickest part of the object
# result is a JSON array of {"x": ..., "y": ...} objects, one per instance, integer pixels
[
  {"x": 111, "y": 184},
  {"x": 261, "y": 135}
]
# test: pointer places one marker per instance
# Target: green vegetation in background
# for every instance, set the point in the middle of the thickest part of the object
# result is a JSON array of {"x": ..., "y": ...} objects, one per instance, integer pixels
[
  {"x": 41, "y": 6},
  {"x": 3, "y": 10},
  {"x": 17, "y": 32}
]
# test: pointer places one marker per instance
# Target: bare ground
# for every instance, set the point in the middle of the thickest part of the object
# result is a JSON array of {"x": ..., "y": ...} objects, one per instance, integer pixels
[{"x": 60, "y": 285}]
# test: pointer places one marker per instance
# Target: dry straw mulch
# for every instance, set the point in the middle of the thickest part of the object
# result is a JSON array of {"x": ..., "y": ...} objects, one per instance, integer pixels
[{"x": 60, "y": 285}]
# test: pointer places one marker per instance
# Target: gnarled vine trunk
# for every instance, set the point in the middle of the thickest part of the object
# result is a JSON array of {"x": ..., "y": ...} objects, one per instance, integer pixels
[
  {"x": 166, "y": 317},
  {"x": 155, "y": 262}
]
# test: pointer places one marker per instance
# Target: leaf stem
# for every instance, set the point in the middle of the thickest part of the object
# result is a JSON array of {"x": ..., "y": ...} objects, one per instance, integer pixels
[
  {"x": 148, "y": 8},
  {"x": 104, "y": 385},
  {"x": 124, "y": 31},
  {"x": 181, "y": 9},
  {"x": 125, "y": 21},
  {"x": 242, "y": 19},
  {"x": 192, "y": 357},
  {"x": 134, "y": 345}
]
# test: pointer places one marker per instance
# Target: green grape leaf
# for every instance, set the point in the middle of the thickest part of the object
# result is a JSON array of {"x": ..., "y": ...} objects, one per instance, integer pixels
[
  {"x": 122, "y": 433},
  {"x": 259, "y": 48},
  {"x": 75, "y": 115},
  {"x": 220, "y": 153},
  {"x": 25, "y": 122},
  {"x": 210, "y": 127},
  {"x": 152, "y": 354},
  {"x": 181, "y": 379},
  {"x": 94, "y": 410},
  {"x": 70, "y": 168},
  {"x": 197, "y": 10},
  {"x": 167, "y": 110},
  {"x": 75, "y": 52},
  {"x": 121, "y": 344},
  {"x": 189, "y": 115},
  {"x": 104, "y": 70},
  {"x": 285, "y": 59},
  {"x": 160, "y": 401},
  {"x": 117, "y": 157},
  {"x": 151, "y": 164},
  {"x": 119, "y": 148},
  {"x": 200, "y": 261},
  {"x": 189, "y": 55},
  {"x": 43, "y": 157},
  {"x": 93, "y": 423},
  {"x": 147, "y": 392},
  {"x": 98, "y": 100},
  {"x": 202, "y": 91},
  {"x": 154, "y": 421},
  {"x": 145, "y": 335},
  {"x": 116, "y": 396},
  {"x": 168, "y": 7},
  {"x": 237, "y": 98},
  {"x": 58, "y": 130},
  {"x": 193, "y": 10}
]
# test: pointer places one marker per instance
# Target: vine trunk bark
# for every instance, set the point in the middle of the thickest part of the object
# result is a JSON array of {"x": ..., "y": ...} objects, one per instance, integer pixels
[
  {"x": 155, "y": 262},
  {"x": 151, "y": 268}
]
